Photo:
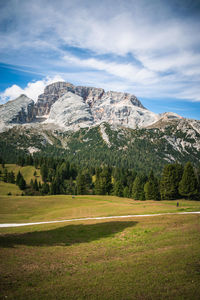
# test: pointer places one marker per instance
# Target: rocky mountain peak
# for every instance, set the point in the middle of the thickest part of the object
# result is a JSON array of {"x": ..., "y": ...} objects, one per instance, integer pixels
[
  {"x": 90, "y": 95},
  {"x": 21, "y": 110},
  {"x": 72, "y": 107}
]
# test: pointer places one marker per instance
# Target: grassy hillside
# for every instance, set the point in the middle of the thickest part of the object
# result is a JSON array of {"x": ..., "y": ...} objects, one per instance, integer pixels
[
  {"x": 7, "y": 188},
  {"x": 27, "y": 171},
  {"x": 136, "y": 258},
  {"x": 58, "y": 207}
]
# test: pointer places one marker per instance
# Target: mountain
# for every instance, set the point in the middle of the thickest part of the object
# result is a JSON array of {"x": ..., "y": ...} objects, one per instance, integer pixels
[
  {"x": 18, "y": 111},
  {"x": 90, "y": 126}
]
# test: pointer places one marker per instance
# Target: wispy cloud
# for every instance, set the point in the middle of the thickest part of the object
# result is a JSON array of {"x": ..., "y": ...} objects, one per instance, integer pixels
[
  {"x": 149, "y": 47},
  {"x": 128, "y": 71}
]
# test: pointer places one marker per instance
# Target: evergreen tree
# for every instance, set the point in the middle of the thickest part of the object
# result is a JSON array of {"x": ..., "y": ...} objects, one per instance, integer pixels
[
  {"x": 151, "y": 188},
  {"x": 103, "y": 185},
  {"x": 21, "y": 161},
  {"x": 81, "y": 184},
  {"x": 35, "y": 185},
  {"x": 188, "y": 186},
  {"x": 44, "y": 172},
  {"x": 20, "y": 181},
  {"x": 73, "y": 171},
  {"x": 138, "y": 188},
  {"x": 57, "y": 186},
  {"x": 39, "y": 185},
  {"x": 19, "y": 175},
  {"x": 118, "y": 189},
  {"x": 45, "y": 188},
  {"x": 11, "y": 177},
  {"x": 32, "y": 183},
  {"x": 51, "y": 175},
  {"x": 126, "y": 192},
  {"x": 88, "y": 180},
  {"x": 29, "y": 160},
  {"x": 171, "y": 176},
  {"x": 70, "y": 187},
  {"x": 63, "y": 171}
]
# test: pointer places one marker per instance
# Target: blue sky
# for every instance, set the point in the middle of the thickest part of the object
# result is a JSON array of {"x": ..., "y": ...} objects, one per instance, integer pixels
[{"x": 148, "y": 48}]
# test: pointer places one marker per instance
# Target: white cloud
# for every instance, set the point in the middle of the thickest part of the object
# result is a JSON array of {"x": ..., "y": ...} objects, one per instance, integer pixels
[
  {"x": 128, "y": 71},
  {"x": 152, "y": 32},
  {"x": 32, "y": 90}
]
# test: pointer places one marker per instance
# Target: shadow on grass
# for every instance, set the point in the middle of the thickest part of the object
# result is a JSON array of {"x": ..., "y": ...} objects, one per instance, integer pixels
[{"x": 65, "y": 236}]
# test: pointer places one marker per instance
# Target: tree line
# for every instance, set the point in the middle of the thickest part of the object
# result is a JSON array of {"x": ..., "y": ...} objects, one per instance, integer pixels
[{"x": 62, "y": 177}]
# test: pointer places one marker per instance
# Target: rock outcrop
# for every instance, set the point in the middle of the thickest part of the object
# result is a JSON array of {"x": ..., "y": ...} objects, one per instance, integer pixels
[
  {"x": 112, "y": 107},
  {"x": 18, "y": 111},
  {"x": 51, "y": 94},
  {"x": 70, "y": 111},
  {"x": 74, "y": 107},
  {"x": 91, "y": 96}
]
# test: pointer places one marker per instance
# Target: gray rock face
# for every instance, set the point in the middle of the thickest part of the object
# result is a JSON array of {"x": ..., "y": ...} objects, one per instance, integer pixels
[
  {"x": 51, "y": 94},
  {"x": 73, "y": 107},
  {"x": 18, "y": 111},
  {"x": 122, "y": 109},
  {"x": 91, "y": 96},
  {"x": 70, "y": 111},
  {"x": 112, "y": 107}
]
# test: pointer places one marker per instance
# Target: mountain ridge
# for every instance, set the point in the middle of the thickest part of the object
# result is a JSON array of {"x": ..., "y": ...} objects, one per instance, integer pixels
[
  {"x": 96, "y": 128},
  {"x": 63, "y": 100}
]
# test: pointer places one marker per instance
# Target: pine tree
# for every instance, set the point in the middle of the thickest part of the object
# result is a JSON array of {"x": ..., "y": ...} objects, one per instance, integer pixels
[
  {"x": 188, "y": 184},
  {"x": 138, "y": 188},
  {"x": 44, "y": 172},
  {"x": 45, "y": 188},
  {"x": 19, "y": 175},
  {"x": 32, "y": 183},
  {"x": 151, "y": 188},
  {"x": 11, "y": 177},
  {"x": 103, "y": 185},
  {"x": 70, "y": 187},
  {"x": 171, "y": 176},
  {"x": 35, "y": 185},
  {"x": 118, "y": 188},
  {"x": 126, "y": 192},
  {"x": 81, "y": 184},
  {"x": 20, "y": 181}
]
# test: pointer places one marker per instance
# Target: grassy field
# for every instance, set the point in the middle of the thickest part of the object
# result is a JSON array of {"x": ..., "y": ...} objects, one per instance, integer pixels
[
  {"x": 6, "y": 188},
  {"x": 27, "y": 171},
  {"x": 58, "y": 207},
  {"x": 136, "y": 258}
]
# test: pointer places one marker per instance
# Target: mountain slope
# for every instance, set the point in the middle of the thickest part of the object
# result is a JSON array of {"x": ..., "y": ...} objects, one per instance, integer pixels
[
  {"x": 93, "y": 127},
  {"x": 142, "y": 149}
]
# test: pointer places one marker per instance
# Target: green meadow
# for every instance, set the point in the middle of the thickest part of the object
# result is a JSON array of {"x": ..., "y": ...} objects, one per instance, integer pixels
[
  {"x": 134, "y": 258},
  {"x": 26, "y": 171}
]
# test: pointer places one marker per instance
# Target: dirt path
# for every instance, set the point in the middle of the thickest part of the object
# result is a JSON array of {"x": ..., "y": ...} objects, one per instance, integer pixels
[{"x": 97, "y": 218}]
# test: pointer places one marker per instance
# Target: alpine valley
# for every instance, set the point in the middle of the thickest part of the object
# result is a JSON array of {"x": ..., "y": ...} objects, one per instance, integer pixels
[{"x": 92, "y": 127}]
